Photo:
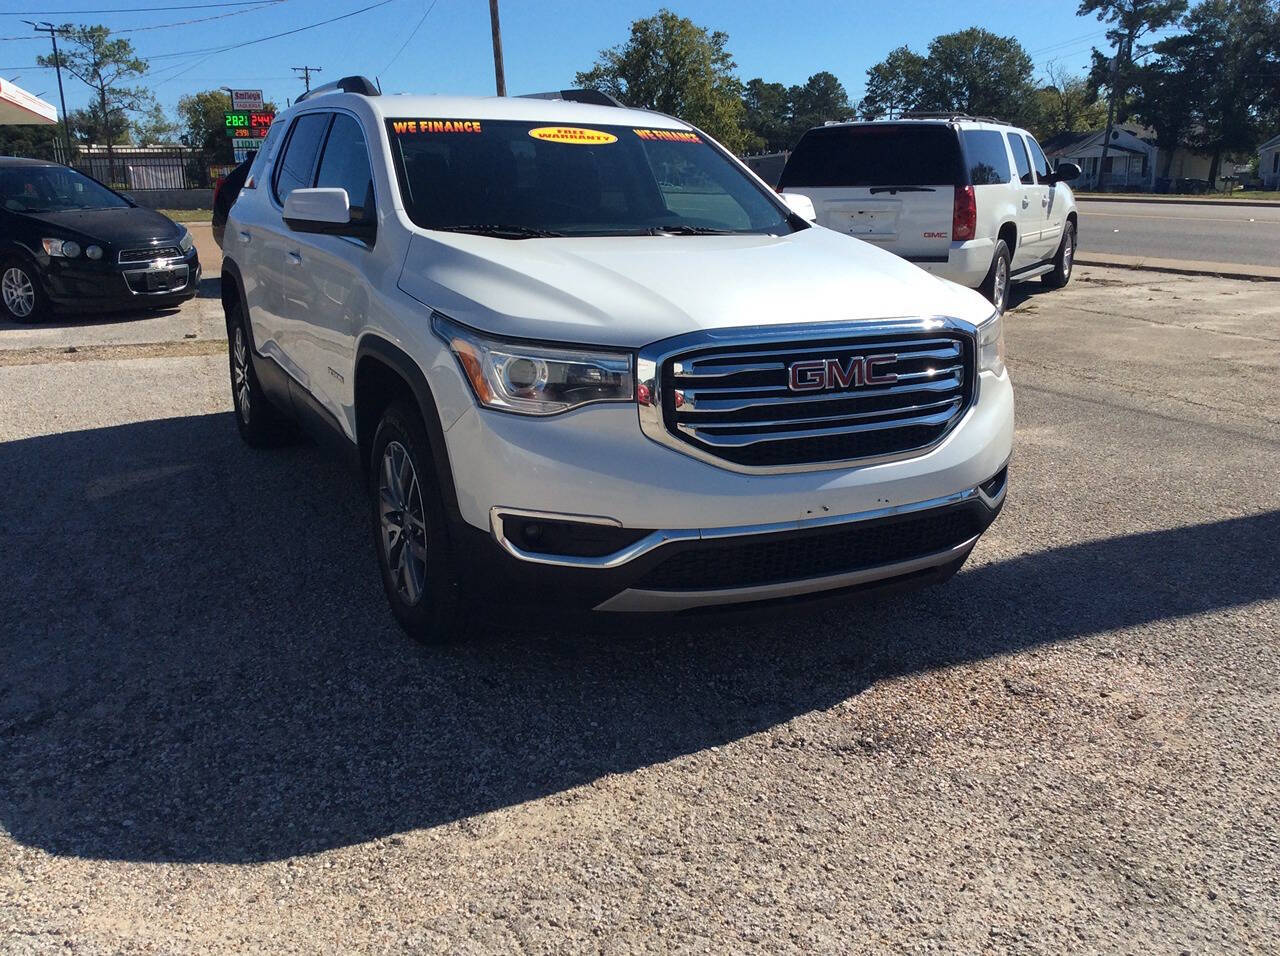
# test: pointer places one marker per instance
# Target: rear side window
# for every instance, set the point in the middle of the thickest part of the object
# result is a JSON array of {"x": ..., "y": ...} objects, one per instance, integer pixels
[
  {"x": 1020, "y": 159},
  {"x": 345, "y": 164},
  {"x": 988, "y": 160},
  {"x": 299, "y": 159},
  {"x": 1038, "y": 161},
  {"x": 880, "y": 154}
]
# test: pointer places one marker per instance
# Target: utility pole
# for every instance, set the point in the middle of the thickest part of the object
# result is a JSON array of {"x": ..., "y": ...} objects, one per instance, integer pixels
[
  {"x": 498, "y": 74},
  {"x": 50, "y": 29},
  {"x": 1124, "y": 49},
  {"x": 306, "y": 72}
]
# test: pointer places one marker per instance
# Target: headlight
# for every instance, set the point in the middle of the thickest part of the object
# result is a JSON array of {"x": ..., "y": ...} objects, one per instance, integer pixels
[
  {"x": 991, "y": 345},
  {"x": 536, "y": 379},
  {"x": 186, "y": 242},
  {"x": 66, "y": 248}
]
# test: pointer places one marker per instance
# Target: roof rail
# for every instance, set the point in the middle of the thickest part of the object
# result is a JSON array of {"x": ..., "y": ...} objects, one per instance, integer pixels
[
  {"x": 592, "y": 97},
  {"x": 348, "y": 84},
  {"x": 952, "y": 117}
]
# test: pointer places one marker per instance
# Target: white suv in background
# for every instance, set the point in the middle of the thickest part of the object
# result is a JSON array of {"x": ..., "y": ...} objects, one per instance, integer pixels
[
  {"x": 970, "y": 199},
  {"x": 586, "y": 360}
]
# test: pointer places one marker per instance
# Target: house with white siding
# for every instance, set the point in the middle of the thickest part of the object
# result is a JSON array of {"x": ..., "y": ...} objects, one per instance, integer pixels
[
  {"x": 1269, "y": 163},
  {"x": 1134, "y": 163}
]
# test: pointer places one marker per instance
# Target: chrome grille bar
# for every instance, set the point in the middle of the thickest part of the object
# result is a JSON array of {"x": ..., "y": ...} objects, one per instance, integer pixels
[
  {"x": 738, "y": 441},
  {"x": 697, "y": 428}
]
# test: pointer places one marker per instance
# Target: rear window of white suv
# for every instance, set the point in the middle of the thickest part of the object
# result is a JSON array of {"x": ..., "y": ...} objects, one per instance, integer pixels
[{"x": 878, "y": 154}]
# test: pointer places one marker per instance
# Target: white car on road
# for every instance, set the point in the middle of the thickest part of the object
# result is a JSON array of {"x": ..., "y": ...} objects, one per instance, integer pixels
[
  {"x": 585, "y": 359},
  {"x": 973, "y": 200}
]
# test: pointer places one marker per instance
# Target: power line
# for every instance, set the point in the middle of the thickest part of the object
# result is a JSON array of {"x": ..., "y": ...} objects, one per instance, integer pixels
[
  {"x": 410, "y": 37},
  {"x": 183, "y": 6},
  {"x": 260, "y": 5}
]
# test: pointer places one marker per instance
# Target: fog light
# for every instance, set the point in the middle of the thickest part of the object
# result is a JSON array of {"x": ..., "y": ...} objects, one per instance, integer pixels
[
  {"x": 71, "y": 249},
  {"x": 93, "y": 252}
]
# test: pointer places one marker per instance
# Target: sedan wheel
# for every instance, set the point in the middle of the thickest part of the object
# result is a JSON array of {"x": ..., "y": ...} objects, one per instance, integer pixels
[{"x": 18, "y": 292}]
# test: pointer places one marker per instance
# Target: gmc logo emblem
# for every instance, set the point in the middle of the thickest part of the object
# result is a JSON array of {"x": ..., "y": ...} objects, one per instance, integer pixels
[{"x": 817, "y": 374}]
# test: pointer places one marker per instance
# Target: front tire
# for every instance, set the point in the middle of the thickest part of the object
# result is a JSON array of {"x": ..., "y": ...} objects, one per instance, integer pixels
[
  {"x": 260, "y": 423},
  {"x": 21, "y": 297},
  {"x": 1064, "y": 262},
  {"x": 410, "y": 531},
  {"x": 996, "y": 285}
]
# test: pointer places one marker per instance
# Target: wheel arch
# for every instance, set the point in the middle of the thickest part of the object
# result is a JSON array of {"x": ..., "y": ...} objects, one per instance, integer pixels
[
  {"x": 1008, "y": 231},
  {"x": 383, "y": 374}
]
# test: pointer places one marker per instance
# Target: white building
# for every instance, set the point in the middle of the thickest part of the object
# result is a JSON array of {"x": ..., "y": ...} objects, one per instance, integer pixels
[
  {"x": 1134, "y": 163},
  {"x": 1269, "y": 163}
]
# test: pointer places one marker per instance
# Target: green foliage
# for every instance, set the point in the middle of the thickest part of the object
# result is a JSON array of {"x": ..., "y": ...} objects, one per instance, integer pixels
[
  {"x": 821, "y": 98},
  {"x": 203, "y": 124},
  {"x": 671, "y": 64},
  {"x": 972, "y": 71},
  {"x": 155, "y": 128},
  {"x": 1066, "y": 104},
  {"x": 894, "y": 85},
  {"x": 104, "y": 65},
  {"x": 768, "y": 115},
  {"x": 87, "y": 127},
  {"x": 29, "y": 142}
]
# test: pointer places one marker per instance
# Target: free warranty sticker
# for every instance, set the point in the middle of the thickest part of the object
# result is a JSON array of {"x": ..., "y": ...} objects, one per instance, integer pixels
[{"x": 575, "y": 135}]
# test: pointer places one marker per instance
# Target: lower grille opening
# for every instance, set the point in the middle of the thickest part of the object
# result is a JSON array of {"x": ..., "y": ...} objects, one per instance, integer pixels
[
  {"x": 995, "y": 484},
  {"x": 796, "y": 556},
  {"x": 575, "y": 538}
]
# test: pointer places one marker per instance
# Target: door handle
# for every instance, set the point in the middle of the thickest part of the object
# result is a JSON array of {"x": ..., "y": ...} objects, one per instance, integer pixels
[
  {"x": 244, "y": 236},
  {"x": 1044, "y": 200},
  {"x": 1025, "y": 202},
  {"x": 295, "y": 258}
]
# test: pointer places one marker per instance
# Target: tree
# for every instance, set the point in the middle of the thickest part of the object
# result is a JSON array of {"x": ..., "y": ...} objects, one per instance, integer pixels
[
  {"x": 1161, "y": 99},
  {"x": 1065, "y": 103},
  {"x": 88, "y": 127},
  {"x": 821, "y": 98},
  {"x": 1224, "y": 67},
  {"x": 1130, "y": 21},
  {"x": 155, "y": 127},
  {"x": 893, "y": 85},
  {"x": 103, "y": 64},
  {"x": 767, "y": 115},
  {"x": 672, "y": 65},
  {"x": 973, "y": 71},
  {"x": 30, "y": 142}
]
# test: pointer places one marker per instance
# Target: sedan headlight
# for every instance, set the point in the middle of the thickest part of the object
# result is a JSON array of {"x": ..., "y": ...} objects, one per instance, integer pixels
[
  {"x": 991, "y": 345},
  {"x": 63, "y": 248},
  {"x": 186, "y": 242},
  {"x": 536, "y": 379}
]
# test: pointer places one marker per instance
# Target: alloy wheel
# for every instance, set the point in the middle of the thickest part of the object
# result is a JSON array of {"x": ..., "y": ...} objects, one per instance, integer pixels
[
  {"x": 1000, "y": 285},
  {"x": 1068, "y": 255},
  {"x": 402, "y": 522},
  {"x": 18, "y": 292},
  {"x": 240, "y": 374}
]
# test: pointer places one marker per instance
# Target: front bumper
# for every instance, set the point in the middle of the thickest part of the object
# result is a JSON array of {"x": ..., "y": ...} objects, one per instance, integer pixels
[
  {"x": 681, "y": 570},
  {"x": 106, "y": 286}
]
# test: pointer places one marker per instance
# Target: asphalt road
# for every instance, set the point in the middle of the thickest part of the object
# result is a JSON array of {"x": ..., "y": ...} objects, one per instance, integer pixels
[
  {"x": 1246, "y": 235},
  {"x": 213, "y": 737}
]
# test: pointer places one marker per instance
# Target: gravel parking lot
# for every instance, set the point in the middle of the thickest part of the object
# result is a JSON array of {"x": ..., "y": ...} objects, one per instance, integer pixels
[{"x": 213, "y": 736}]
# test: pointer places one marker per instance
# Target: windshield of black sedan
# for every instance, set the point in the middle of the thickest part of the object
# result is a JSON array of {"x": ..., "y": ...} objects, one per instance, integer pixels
[
  {"x": 524, "y": 180},
  {"x": 52, "y": 189}
]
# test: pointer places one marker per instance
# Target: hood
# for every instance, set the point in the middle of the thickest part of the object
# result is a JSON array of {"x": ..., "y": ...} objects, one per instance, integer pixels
[
  {"x": 131, "y": 225},
  {"x": 634, "y": 290}
]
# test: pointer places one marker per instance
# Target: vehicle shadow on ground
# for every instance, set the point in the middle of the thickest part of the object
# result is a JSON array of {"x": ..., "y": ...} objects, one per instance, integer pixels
[{"x": 198, "y": 664}]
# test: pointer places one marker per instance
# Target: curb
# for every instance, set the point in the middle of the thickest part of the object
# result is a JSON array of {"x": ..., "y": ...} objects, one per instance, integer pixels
[
  {"x": 1178, "y": 201},
  {"x": 1225, "y": 270}
]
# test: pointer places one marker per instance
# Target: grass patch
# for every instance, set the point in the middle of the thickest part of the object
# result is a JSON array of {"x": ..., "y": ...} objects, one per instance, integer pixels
[{"x": 188, "y": 215}]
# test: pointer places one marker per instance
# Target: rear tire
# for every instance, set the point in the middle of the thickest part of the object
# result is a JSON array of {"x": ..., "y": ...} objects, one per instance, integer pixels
[
  {"x": 1064, "y": 262},
  {"x": 996, "y": 285},
  {"x": 259, "y": 422},
  {"x": 21, "y": 297},
  {"x": 410, "y": 530}
]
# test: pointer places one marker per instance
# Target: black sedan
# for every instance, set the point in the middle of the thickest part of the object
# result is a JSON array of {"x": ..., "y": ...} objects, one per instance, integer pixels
[{"x": 70, "y": 244}]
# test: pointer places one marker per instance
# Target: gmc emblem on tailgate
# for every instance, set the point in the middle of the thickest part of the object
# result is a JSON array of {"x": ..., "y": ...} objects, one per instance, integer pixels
[{"x": 817, "y": 374}]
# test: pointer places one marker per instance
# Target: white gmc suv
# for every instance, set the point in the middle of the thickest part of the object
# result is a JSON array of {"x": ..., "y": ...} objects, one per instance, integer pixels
[
  {"x": 586, "y": 359},
  {"x": 972, "y": 200}
]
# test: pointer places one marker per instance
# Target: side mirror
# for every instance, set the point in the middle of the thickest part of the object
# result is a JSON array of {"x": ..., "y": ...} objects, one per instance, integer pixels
[
  {"x": 326, "y": 211},
  {"x": 1066, "y": 172},
  {"x": 801, "y": 205}
]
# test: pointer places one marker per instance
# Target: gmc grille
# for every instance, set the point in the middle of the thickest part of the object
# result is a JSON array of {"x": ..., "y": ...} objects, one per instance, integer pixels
[{"x": 736, "y": 403}]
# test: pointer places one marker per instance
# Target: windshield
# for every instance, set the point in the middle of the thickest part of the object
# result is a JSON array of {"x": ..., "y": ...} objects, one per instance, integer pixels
[
  {"x": 52, "y": 189},
  {"x": 526, "y": 180},
  {"x": 878, "y": 154}
]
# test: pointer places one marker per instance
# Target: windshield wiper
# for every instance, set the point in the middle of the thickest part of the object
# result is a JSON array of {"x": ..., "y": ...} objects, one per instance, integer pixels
[
  {"x": 902, "y": 189},
  {"x": 691, "y": 231},
  {"x": 503, "y": 231}
]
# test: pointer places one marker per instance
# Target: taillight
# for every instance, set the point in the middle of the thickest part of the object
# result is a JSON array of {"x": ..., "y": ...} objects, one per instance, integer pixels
[{"x": 964, "y": 214}]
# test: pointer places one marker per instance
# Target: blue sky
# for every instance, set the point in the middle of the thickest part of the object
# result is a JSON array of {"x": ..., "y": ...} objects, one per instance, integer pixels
[{"x": 545, "y": 42}]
